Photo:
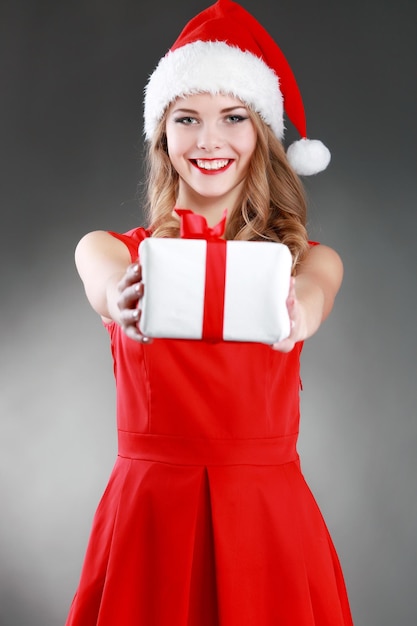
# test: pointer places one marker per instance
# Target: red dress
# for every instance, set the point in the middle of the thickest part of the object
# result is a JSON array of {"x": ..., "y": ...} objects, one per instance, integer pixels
[{"x": 207, "y": 519}]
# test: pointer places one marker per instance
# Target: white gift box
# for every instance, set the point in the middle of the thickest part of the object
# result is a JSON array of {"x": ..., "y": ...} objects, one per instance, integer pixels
[{"x": 256, "y": 285}]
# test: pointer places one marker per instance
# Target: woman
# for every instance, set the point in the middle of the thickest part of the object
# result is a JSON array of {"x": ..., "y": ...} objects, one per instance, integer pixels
[{"x": 207, "y": 519}]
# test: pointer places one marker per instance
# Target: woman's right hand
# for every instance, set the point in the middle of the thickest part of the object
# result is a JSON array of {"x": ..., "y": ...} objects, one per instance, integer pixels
[{"x": 130, "y": 289}]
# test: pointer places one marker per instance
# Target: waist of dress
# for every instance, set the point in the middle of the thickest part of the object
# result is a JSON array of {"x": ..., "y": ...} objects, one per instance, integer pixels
[{"x": 194, "y": 451}]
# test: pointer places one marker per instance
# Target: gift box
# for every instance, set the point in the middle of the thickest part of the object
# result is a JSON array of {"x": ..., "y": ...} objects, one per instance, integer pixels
[{"x": 204, "y": 287}]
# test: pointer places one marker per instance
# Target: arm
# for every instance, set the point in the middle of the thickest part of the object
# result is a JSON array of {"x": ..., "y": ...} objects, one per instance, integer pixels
[
  {"x": 111, "y": 282},
  {"x": 312, "y": 294}
]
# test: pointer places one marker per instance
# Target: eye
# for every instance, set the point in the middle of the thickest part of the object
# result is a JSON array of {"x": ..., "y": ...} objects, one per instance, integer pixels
[
  {"x": 185, "y": 120},
  {"x": 235, "y": 119}
]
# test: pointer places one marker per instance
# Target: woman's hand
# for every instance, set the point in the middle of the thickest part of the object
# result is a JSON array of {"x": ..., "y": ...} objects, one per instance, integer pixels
[
  {"x": 311, "y": 295},
  {"x": 130, "y": 289},
  {"x": 296, "y": 322}
]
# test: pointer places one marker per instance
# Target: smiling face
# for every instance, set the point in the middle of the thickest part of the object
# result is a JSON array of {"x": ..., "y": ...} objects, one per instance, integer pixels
[{"x": 210, "y": 140}]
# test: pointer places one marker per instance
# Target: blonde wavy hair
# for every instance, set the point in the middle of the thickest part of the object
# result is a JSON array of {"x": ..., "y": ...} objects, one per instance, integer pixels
[{"x": 272, "y": 206}]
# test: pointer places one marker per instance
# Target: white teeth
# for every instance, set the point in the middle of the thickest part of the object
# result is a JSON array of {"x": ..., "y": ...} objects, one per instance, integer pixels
[{"x": 212, "y": 165}]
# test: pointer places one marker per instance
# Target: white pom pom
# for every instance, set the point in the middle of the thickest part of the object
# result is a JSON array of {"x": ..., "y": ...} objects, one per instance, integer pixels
[{"x": 308, "y": 156}]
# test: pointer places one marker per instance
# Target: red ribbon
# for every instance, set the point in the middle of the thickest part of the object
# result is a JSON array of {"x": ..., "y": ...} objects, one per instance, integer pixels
[{"x": 194, "y": 226}]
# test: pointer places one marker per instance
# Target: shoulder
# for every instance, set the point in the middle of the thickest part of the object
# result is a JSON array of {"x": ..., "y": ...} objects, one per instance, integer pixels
[
  {"x": 98, "y": 242},
  {"x": 321, "y": 257},
  {"x": 323, "y": 265},
  {"x": 101, "y": 243}
]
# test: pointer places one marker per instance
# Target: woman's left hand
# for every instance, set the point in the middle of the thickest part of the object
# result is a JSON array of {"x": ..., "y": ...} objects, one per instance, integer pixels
[
  {"x": 311, "y": 295},
  {"x": 296, "y": 318}
]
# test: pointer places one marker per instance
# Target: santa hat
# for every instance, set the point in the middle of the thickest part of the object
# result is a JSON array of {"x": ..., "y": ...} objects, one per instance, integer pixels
[{"x": 224, "y": 49}]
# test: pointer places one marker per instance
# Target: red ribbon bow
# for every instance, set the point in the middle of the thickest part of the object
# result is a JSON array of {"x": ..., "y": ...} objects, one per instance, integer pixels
[{"x": 194, "y": 226}]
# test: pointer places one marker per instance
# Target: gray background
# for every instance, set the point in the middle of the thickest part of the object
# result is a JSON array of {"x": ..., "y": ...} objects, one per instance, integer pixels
[{"x": 72, "y": 75}]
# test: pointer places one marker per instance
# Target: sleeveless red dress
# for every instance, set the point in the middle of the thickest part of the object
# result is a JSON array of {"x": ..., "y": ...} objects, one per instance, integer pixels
[{"x": 207, "y": 519}]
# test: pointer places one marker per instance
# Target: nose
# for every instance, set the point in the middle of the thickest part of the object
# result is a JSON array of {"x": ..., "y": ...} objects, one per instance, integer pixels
[{"x": 209, "y": 138}]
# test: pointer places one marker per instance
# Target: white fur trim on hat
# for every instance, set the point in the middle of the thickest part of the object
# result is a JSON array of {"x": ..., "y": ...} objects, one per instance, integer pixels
[
  {"x": 308, "y": 156},
  {"x": 214, "y": 67}
]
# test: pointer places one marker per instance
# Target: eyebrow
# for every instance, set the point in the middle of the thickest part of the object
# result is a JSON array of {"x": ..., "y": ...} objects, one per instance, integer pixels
[{"x": 195, "y": 112}]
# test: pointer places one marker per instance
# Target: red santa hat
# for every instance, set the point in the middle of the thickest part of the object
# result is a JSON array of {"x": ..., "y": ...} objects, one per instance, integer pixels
[{"x": 224, "y": 49}]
